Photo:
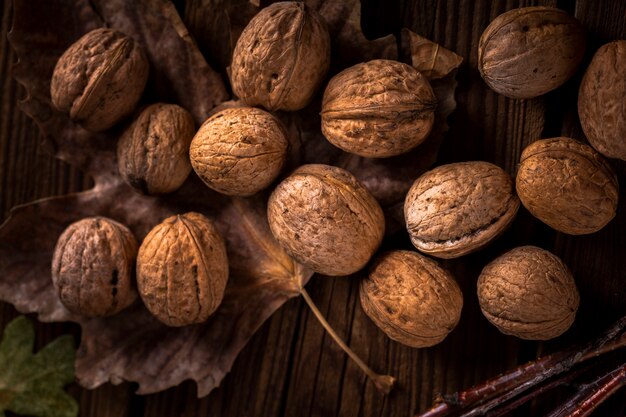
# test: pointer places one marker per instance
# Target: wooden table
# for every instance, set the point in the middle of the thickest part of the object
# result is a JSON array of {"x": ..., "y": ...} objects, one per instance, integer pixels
[{"x": 291, "y": 367}]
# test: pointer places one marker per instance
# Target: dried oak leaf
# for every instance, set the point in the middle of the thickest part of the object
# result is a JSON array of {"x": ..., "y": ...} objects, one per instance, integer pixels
[{"x": 133, "y": 345}]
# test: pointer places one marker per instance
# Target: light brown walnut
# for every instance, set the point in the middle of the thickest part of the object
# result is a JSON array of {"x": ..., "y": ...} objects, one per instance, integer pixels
[
  {"x": 239, "y": 151},
  {"x": 281, "y": 57},
  {"x": 567, "y": 185},
  {"x": 326, "y": 219},
  {"x": 93, "y": 265},
  {"x": 153, "y": 153},
  {"x": 411, "y": 298},
  {"x": 529, "y": 51},
  {"x": 528, "y": 292},
  {"x": 182, "y": 270},
  {"x": 378, "y": 109},
  {"x": 99, "y": 79},
  {"x": 458, "y": 208}
]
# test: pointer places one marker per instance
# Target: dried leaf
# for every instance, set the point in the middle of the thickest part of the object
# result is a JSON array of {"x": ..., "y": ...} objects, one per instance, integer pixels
[{"x": 431, "y": 59}]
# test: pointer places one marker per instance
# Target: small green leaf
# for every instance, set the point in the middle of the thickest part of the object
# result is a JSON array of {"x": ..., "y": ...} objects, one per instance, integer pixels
[{"x": 33, "y": 384}]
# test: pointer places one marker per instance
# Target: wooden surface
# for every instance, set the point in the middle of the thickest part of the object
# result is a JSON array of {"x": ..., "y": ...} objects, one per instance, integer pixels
[{"x": 291, "y": 367}]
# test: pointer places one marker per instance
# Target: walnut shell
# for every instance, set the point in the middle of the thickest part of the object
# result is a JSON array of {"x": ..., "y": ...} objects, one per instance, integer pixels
[
  {"x": 458, "y": 208},
  {"x": 527, "y": 52},
  {"x": 567, "y": 185},
  {"x": 601, "y": 100},
  {"x": 92, "y": 267},
  {"x": 99, "y": 79},
  {"x": 153, "y": 153},
  {"x": 529, "y": 293},
  {"x": 326, "y": 219},
  {"x": 239, "y": 151},
  {"x": 378, "y": 109},
  {"x": 281, "y": 57},
  {"x": 411, "y": 298},
  {"x": 182, "y": 269}
]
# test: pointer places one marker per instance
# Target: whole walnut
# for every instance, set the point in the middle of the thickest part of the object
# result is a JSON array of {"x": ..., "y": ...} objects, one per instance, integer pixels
[
  {"x": 411, "y": 298},
  {"x": 281, "y": 57},
  {"x": 567, "y": 185},
  {"x": 239, "y": 151},
  {"x": 601, "y": 100},
  {"x": 182, "y": 269},
  {"x": 378, "y": 109},
  {"x": 527, "y": 52},
  {"x": 326, "y": 219},
  {"x": 458, "y": 208},
  {"x": 529, "y": 293},
  {"x": 153, "y": 153},
  {"x": 99, "y": 79},
  {"x": 92, "y": 267}
]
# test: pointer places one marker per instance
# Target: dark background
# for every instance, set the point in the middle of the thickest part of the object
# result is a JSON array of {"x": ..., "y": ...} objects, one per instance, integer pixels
[{"x": 290, "y": 367}]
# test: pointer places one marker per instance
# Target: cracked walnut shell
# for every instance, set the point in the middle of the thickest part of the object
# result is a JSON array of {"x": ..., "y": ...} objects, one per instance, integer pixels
[
  {"x": 325, "y": 219},
  {"x": 92, "y": 267},
  {"x": 378, "y": 109},
  {"x": 182, "y": 270},
  {"x": 567, "y": 185},
  {"x": 411, "y": 298},
  {"x": 528, "y": 292},
  {"x": 458, "y": 208},
  {"x": 99, "y": 79},
  {"x": 281, "y": 57}
]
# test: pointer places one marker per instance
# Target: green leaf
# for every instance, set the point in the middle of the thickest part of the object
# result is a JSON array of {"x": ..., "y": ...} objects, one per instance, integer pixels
[{"x": 33, "y": 384}]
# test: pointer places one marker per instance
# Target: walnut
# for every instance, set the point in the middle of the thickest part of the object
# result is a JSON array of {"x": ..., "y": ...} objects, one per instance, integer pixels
[
  {"x": 182, "y": 269},
  {"x": 281, "y": 57},
  {"x": 99, "y": 79},
  {"x": 153, "y": 153},
  {"x": 529, "y": 293},
  {"x": 567, "y": 185},
  {"x": 459, "y": 208},
  {"x": 239, "y": 151},
  {"x": 378, "y": 109},
  {"x": 527, "y": 52},
  {"x": 92, "y": 267},
  {"x": 411, "y": 298},
  {"x": 326, "y": 219},
  {"x": 601, "y": 100}
]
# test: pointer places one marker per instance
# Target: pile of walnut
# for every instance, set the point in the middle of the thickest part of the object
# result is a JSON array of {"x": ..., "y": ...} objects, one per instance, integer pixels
[{"x": 321, "y": 215}]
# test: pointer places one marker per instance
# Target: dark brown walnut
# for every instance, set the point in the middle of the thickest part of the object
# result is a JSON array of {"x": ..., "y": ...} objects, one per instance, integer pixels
[
  {"x": 153, "y": 153},
  {"x": 458, "y": 208},
  {"x": 239, "y": 151},
  {"x": 411, "y": 298},
  {"x": 567, "y": 185},
  {"x": 528, "y": 292},
  {"x": 527, "y": 52},
  {"x": 99, "y": 79},
  {"x": 281, "y": 57},
  {"x": 378, "y": 109},
  {"x": 92, "y": 267},
  {"x": 182, "y": 269},
  {"x": 326, "y": 219},
  {"x": 601, "y": 100}
]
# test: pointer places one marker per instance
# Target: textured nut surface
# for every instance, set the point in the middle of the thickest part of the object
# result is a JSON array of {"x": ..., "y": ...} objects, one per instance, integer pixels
[
  {"x": 326, "y": 219},
  {"x": 92, "y": 267},
  {"x": 601, "y": 100},
  {"x": 239, "y": 151},
  {"x": 458, "y": 208},
  {"x": 411, "y": 298},
  {"x": 99, "y": 79},
  {"x": 567, "y": 185},
  {"x": 281, "y": 57},
  {"x": 153, "y": 153},
  {"x": 527, "y": 52},
  {"x": 182, "y": 270},
  {"x": 529, "y": 293},
  {"x": 378, "y": 109}
]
